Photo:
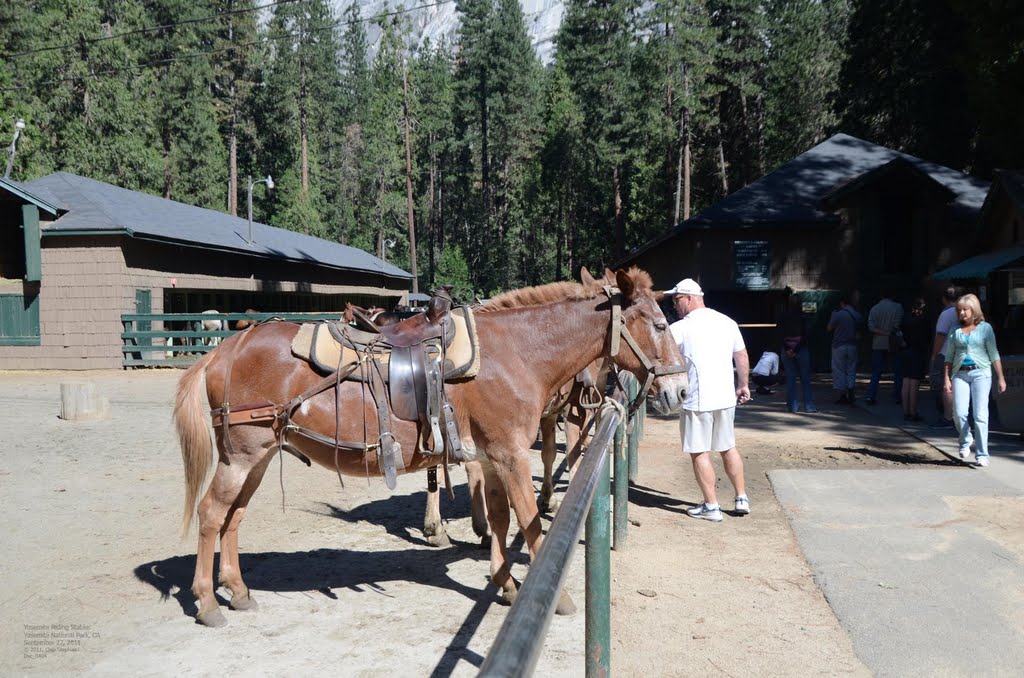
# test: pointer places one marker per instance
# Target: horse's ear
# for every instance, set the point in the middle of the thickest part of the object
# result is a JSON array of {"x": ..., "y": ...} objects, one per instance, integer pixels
[
  {"x": 585, "y": 276},
  {"x": 609, "y": 274},
  {"x": 626, "y": 285}
]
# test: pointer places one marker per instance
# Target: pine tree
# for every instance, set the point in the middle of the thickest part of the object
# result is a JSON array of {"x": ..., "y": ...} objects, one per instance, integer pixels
[
  {"x": 431, "y": 78},
  {"x": 382, "y": 161},
  {"x": 297, "y": 116},
  {"x": 685, "y": 46},
  {"x": 803, "y": 66},
  {"x": 741, "y": 72},
  {"x": 194, "y": 159},
  {"x": 596, "y": 46},
  {"x": 235, "y": 44}
]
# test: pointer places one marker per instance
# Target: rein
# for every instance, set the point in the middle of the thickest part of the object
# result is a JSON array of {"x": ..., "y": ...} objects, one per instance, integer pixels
[{"x": 617, "y": 329}]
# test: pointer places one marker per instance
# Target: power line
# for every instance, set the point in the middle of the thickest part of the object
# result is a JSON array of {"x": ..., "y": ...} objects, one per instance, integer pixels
[
  {"x": 159, "y": 63},
  {"x": 149, "y": 29}
]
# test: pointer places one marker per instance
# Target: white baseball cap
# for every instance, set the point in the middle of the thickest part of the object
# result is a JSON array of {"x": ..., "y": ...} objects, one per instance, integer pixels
[{"x": 686, "y": 286}]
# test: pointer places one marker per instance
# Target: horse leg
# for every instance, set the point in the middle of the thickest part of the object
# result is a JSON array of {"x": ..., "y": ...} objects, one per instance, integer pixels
[
  {"x": 230, "y": 576},
  {"x": 228, "y": 481},
  {"x": 548, "y": 428},
  {"x": 477, "y": 500},
  {"x": 517, "y": 478},
  {"x": 572, "y": 435},
  {"x": 498, "y": 518},
  {"x": 433, "y": 528}
]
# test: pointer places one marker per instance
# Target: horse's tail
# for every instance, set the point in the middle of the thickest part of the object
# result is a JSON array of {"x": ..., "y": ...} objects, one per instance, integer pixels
[{"x": 190, "y": 414}]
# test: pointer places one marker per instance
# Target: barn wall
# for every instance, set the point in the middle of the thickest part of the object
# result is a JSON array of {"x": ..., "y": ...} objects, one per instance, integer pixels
[
  {"x": 88, "y": 282},
  {"x": 83, "y": 293}
]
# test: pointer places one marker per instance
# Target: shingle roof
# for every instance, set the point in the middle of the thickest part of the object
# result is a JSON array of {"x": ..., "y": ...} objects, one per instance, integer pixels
[
  {"x": 792, "y": 193},
  {"x": 97, "y": 206},
  {"x": 35, "y": 197}
]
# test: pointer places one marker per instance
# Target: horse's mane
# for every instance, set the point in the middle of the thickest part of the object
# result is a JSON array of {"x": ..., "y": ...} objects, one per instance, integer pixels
[{"x": 560, "y": 291}]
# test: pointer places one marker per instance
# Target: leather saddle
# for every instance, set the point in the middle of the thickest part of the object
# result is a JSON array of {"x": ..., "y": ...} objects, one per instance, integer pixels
[{"x": 404, "y": 366}]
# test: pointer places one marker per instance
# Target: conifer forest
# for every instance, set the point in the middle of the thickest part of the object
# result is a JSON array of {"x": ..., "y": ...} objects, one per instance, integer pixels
[{"x": 504, "y": 171}]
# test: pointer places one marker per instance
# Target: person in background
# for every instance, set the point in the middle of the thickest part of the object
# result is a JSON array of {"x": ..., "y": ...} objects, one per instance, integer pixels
[
  {"x": 884, "y": 320},
  {"x": 766, "y": 373},
  {"x": 844, "y": 325},
  {"x": 710, "y": 343},
  {"x": 945, "y": 324},
  {"x": 917, "y": 334},
  {"x": 971, "y": 358},
  {"x": 796, "y": 356}
]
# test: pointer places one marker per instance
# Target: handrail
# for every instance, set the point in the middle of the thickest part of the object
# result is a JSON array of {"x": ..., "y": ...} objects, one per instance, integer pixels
[{"x": 516, "y": 649}]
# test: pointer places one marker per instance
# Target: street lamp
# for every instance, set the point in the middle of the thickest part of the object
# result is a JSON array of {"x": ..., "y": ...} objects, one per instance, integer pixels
[
  {"x": 18, "y": 126},
  {"x": 270, "y": 186}
]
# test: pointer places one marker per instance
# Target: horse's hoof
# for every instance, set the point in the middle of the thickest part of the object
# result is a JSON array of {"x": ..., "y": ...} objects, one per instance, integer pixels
[
  {"x": 244, "y": 603},
  {"x": 565, "y": 605},
  {"x": 508, "y": 597},
  {"x": 551, "y": 506},
  {"x": 439, "y": 540},
  {"x": 213, "y": 618}
]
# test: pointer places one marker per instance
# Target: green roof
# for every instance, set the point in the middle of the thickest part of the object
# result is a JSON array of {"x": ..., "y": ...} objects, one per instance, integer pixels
[{"x": 982, "y": 265}]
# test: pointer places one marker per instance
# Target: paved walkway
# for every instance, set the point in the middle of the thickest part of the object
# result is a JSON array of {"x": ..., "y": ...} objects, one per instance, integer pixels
[{"x": 922, "y": 568}]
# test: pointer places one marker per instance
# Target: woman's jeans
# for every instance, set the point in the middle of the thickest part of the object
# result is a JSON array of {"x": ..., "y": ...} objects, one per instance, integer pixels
[
  {"x": 970, "y": 393},
  {"x": 801, "y": 362}
]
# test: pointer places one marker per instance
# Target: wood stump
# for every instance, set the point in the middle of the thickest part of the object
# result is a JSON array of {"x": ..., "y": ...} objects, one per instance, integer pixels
[{"x": 79, "y": 401}]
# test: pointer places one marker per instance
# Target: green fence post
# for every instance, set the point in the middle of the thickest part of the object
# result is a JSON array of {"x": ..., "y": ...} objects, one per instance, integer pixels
[
  {"x": 598, "y": 625},
  {"x": 620, "y": 516}
]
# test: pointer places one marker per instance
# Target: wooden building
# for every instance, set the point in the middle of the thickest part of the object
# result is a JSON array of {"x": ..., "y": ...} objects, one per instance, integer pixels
[
  {"x": 995, "y": 269},
  {"x": 76, "y": 253},
  {"x": 845, "y": 216}
]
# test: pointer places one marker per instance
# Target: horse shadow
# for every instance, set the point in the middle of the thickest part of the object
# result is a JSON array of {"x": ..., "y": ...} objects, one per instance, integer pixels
[
  {"x": 320, "y": 570},
  {"x": 401, "y": 515}
]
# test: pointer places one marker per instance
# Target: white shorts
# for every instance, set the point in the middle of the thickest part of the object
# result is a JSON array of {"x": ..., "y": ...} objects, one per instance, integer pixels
[{"x": 708, "y": 431}]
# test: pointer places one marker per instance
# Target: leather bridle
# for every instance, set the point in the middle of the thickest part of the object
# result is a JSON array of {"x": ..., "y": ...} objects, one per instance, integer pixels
[{"x": 617, "y": 330}]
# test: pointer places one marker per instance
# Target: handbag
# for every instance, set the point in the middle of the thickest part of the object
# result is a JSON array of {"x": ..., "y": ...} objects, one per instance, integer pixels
[{"x": 897, "y": 342}]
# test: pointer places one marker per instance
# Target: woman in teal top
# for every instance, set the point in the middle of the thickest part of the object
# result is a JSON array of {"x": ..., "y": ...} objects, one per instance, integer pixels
[{"x": 971, "y": 359}]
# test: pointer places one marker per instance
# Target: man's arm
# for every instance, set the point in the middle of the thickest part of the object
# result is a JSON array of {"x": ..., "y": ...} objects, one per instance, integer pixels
[
  {"x": 940, "y": 340},
  {"x": 742, "y": 375}
]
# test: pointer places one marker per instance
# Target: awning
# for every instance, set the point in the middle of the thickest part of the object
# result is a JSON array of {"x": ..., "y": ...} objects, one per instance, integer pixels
[{"x": 982, "y": 265}]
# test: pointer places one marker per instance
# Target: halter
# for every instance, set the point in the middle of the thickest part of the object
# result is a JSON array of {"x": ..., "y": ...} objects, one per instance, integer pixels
[{"x": 617, "y": 330}]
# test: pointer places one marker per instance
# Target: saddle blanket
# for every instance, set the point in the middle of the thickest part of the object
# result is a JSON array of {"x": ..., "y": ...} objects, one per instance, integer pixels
[{"x": 315, "y": 343}]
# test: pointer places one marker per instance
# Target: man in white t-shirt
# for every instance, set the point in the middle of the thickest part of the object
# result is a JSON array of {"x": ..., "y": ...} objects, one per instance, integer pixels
[
  {"x": 946, "y": 323},
  {"x": 710, "y": 343}
]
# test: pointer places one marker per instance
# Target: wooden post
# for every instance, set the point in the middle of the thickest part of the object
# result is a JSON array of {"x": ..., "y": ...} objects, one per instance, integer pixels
[{"x": 80, "y": 402}]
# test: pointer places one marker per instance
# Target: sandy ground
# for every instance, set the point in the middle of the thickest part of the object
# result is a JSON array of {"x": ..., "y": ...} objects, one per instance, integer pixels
[{"x": 97, "y": 579}]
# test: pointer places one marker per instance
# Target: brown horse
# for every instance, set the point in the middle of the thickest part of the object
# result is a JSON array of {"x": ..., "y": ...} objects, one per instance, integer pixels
[{"x": 531, "y": 341}]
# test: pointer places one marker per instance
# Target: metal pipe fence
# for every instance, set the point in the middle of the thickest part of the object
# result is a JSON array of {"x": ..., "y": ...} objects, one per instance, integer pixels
[{"x": 520, "y": 639}]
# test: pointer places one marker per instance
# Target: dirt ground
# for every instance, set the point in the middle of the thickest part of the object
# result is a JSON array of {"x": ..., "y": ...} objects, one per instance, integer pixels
[{"x": 97, "y": 579}]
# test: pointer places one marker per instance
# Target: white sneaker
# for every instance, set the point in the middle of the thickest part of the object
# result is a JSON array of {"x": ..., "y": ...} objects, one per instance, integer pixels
[
  {"x": 742, "y": 505},
  {"x": 965, "y": 451},
  {"x": 982, "y": 461},
  {"x": 704, "y": 512}
]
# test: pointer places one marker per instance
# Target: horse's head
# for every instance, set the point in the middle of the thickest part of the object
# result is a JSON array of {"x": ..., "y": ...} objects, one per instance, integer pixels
[{"x": 644, "y": 343}]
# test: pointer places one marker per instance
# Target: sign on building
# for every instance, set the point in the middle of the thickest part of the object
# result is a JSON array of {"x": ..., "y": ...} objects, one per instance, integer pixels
[{"x": 753, "y": 264}]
